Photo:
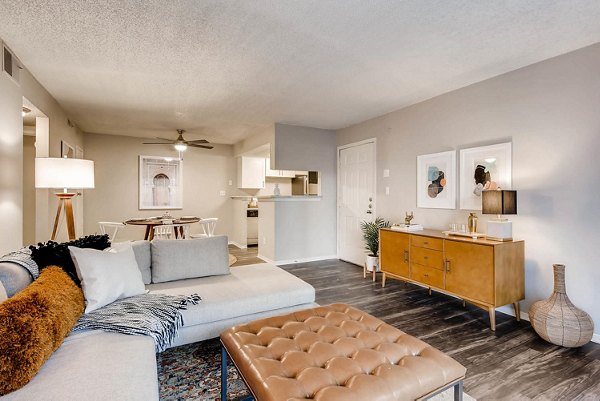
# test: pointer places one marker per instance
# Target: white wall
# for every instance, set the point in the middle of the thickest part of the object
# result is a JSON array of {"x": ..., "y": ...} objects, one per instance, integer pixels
[
  {"x": 11, "y": 156},
  {"x": 551, "y": 113},
  {"x": 11, "y": 165},
  {"x": 115, "y": 197},
  {"x": 29, "y": 190},
  {"x": 59, "y": 130},
  {"x": 306, "y": 230}
]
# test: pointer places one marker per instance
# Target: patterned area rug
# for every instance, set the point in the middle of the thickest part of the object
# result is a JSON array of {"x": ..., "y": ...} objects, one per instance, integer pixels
[{"x": 193, "y": 373}]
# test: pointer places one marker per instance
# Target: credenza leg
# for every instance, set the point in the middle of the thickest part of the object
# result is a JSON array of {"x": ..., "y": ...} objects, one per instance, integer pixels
[
  {"x": 517, "y": 310},
  {"x": 492, "y": 312},
  {"x": 374, "y": 274},
  {"x": 383, "y": 280},
  {"x": 365, "y": 270}
]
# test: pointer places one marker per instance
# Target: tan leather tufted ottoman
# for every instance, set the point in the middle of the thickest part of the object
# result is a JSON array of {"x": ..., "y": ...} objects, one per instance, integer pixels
[{"x": 336, "y": 352}]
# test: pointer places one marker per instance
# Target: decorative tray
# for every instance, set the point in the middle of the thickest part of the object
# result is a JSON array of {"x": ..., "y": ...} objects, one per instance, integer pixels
[
  {"x": 461, "y": 234},
  {"x": 404, "y": 227}
]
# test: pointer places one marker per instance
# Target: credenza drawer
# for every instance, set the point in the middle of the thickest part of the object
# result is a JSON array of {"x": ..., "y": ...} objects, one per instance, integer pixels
[
  {"x": 427, "y": 257},
  {"x": 427, "y": 275},
  {"x": 427, "y": 242}
]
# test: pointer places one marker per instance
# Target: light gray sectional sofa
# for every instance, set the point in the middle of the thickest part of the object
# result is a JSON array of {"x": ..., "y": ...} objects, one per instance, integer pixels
[{"x": 96, "y": 365}]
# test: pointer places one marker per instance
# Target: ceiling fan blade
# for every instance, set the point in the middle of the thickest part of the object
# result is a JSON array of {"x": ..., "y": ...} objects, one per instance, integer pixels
[
  {"x": 165, "y": 139},
  {"x": 198, "y": 141},
  {"x": 158, "y": 143},
  {"x": 200, "y": 146}
]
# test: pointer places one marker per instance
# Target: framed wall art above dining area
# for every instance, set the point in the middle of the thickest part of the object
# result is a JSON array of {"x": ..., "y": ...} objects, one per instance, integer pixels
[{"x": 160, "y": 183}]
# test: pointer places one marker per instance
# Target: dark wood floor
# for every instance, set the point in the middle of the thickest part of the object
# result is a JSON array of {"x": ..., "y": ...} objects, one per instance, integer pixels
[{"x": 512, "y": 363}]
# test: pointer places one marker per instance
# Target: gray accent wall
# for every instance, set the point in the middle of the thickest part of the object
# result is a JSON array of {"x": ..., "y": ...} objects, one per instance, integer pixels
[
  {"x": 550, "y": 111},
  {"x": 306, "y": 230}
]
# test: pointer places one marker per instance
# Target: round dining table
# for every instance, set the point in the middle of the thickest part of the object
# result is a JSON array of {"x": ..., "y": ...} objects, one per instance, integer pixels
[{"x": 153, "y": 222}]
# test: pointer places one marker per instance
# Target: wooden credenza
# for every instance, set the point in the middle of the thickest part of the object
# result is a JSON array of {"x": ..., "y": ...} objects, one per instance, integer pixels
[{"x": 485, "y": 273}]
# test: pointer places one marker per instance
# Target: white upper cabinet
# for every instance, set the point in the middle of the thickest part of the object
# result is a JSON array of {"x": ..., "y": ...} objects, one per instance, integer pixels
[{"x": 250, "y": 172}]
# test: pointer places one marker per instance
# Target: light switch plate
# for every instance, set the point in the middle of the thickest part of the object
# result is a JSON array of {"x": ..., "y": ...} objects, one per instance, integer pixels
[
  {"x": 222, "y": 193},
  {"x": 387, "y": 190},
  {"x": 230, "y": 182},
  {"x": 386, "y": 173}
]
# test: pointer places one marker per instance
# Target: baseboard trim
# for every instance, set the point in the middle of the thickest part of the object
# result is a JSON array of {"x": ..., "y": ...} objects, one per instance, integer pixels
[
  {"x": 525, "y": 316},
  {"x": 299, "y": 260},
  {"x": 238, "y": 245}
]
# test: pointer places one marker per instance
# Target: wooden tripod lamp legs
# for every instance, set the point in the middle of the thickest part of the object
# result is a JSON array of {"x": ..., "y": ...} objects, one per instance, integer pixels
[{"x": 65, "y": 200}]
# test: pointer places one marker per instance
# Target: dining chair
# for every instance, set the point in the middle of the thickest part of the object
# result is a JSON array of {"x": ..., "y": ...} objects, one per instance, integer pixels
[
  {"x": 111, "y": 228},
  {"x": 167, "y": 231},
  {"x": 208, "y": 228}
]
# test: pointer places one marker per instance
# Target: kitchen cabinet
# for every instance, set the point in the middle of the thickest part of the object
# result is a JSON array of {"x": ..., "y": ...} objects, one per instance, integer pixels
[
  {"x": 250, "y": 172},
  {"x": 486, "y": 273}
]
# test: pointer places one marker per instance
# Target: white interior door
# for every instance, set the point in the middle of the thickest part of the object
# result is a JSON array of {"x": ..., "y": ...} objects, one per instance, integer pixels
[{"x": 356, "y": 198}]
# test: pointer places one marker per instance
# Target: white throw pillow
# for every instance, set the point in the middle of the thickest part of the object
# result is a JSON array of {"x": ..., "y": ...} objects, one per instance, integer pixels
[{"x": 107, "y": 276}]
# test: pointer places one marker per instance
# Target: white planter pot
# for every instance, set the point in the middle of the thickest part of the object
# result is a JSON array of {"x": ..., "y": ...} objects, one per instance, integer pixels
[{"x": 372, "y": 263}]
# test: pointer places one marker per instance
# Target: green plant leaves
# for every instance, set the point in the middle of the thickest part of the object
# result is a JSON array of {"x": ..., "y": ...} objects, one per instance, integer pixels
[{"x": 370, "y": 230}]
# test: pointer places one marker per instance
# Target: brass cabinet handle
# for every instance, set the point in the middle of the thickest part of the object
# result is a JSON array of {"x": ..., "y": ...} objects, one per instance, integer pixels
[
  {"x": 405, "y": 256},
  {"x": 425, "y": 257},
  {"x": 447, "y": 262},
  {"x": 425, "y": 243}
]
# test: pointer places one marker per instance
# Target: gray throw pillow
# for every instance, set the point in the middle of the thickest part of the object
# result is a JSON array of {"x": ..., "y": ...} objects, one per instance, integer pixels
[
  {"x": 181, "y": 259},
  {"x": 14, "y": 277},
  {"x": 143, "y": 257},
  {"x": 3, "y": 295}
]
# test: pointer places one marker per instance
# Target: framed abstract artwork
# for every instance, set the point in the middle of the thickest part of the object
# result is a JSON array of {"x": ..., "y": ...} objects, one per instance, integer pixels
[
  {"x": 160, "y": 183},
  {"x": 436, "y": 180},
  {"x": 484, "y": 168}
]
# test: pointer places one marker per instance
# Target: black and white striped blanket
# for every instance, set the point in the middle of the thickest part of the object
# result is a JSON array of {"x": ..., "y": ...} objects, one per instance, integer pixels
[
  {"x": 22, "y": 257},
  {"x": 155, "y": 315}
]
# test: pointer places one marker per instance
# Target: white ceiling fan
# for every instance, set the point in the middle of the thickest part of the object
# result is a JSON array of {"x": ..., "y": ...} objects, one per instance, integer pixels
[{"x": 180, "y": 144}]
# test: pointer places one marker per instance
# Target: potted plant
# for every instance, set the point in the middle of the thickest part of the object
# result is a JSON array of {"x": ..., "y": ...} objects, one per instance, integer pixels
[{"x": 370, "y": 230}]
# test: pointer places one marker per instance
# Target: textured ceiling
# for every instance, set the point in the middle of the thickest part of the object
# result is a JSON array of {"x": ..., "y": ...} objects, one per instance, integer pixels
[{"x": 224, "y": 69}]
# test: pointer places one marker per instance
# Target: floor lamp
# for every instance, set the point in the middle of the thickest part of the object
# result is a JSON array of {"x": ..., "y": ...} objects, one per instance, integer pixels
[{"x": 52, "y": 172}]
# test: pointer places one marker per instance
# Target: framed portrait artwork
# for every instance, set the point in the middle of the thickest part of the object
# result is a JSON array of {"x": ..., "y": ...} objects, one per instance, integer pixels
[
  {"x": 436, "y": 180},
  {"x": 160, "y": 183},
  {"x": 484, "y": 168}
]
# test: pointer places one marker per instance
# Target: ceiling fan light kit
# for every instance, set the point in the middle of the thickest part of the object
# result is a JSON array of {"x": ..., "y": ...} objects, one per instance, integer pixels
[
  {"x": 180, "y": 144},
  {"x": 180, "y": 147}
]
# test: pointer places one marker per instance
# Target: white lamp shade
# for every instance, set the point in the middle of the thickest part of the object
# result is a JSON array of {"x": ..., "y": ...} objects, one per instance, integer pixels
[{"x": 54, "y": 172}]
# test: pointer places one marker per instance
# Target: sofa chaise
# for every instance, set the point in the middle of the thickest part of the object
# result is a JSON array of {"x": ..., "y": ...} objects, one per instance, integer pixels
[{"x": 96, "y": 365}]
